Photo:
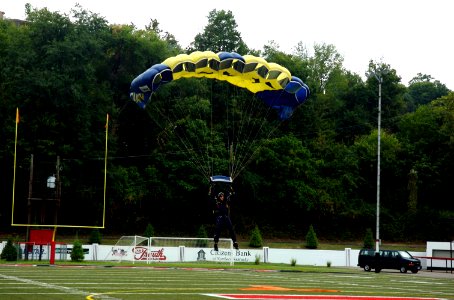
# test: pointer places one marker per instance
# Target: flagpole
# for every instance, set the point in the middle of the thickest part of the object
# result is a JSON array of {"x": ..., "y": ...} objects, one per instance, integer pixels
[
  {"x": 14, "y": 168},
  {"x": 105, "y": 173}
]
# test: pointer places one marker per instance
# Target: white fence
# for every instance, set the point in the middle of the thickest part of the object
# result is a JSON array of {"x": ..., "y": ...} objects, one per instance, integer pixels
[{"x": 341, "y": 258}]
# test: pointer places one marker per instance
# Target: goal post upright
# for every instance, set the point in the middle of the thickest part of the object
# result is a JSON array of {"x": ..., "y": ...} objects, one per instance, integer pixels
[{"x": 56, "y": 185}]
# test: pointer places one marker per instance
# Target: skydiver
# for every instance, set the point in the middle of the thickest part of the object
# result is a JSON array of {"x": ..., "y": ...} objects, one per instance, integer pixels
[{"x": 222, "y": 218}]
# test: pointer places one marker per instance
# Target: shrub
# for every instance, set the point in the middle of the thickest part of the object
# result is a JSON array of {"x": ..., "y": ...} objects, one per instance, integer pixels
[
  {"x": 311, "y": 239},
  {"x": 95, "y": 237},
  {"x": 202, "y": 234},
  {"x": 77, "y": 253},
  {"x": 368, "y": 239},
  {"x": 293, "y": 262},
  {"x": 149, "y": 231},
  {"x": 9, "y": 253},
  {"x": 256, "y": 238},
  {"x": 257, "y": 259}
]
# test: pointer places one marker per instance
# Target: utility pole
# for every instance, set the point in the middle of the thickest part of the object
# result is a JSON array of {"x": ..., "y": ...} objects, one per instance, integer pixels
[{"x": 378, "y": 72}]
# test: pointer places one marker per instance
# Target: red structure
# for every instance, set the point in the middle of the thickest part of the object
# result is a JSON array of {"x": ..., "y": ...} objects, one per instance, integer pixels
[{"x": 42, "y": 237}]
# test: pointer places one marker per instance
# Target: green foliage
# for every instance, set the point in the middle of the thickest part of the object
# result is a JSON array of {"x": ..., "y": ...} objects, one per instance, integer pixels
[
  {"x": 293, "y": 262},
  {"x": 256, "y": 238},
  {"x": 77, "y": 252},
  {"x": 202, "y": 234},
  {"x": 95, "y": 237},
  {"x": 311, "y": 238},
  {"x": 423, "y": 89},
  {"x": 149, "y": 231},
  {"x": 9, "y": 253},
  {"x": 325, "y": 61},
  {"x": 368, "y": 239},
  {"x": 214, "y": 36},
  {"x": 412, "y": 191}
]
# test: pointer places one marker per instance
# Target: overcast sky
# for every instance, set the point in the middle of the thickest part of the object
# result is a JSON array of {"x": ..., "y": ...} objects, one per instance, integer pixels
[{"x": 412, "y": 36}]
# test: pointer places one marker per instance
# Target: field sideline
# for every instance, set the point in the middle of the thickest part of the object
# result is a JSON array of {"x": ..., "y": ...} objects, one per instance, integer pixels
[{"x": 90, "y": 282}]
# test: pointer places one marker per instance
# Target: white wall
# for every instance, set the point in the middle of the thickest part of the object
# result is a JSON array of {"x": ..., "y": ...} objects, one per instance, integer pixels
[
  {"x": 439, "y": 249},
  {"x": 337, "y": 258}
]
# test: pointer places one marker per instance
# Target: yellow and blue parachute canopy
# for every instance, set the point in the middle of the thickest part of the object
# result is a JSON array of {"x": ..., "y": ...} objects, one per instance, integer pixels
[{"x": 271, "y": 82}]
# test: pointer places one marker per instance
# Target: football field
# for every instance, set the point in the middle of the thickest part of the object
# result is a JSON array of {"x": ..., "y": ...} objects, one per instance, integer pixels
[{"x": 125, "y": 282}]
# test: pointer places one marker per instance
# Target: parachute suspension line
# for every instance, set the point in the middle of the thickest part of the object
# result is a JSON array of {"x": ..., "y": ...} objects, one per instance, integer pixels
[
  {"x": 230, "y": 124},
  {"x": 242, "y": 137},
  {"x": 211, "y": 145},
  {"x": 199, "y": 142},
  {"x": 254, "y": 153},
  {"x": 122, "y": 108},
  {"x": 227, "y": 117},
  {"x": 199, "y": 146},
  {"x": 236, "y": 131},
  {"x": 172, "y": 127},
  {"x": 263, "y": 141},
  {"x": 167, "y": 130},
  {"x": 256, "y": 137},
  {"x": 251, "y": 132}
]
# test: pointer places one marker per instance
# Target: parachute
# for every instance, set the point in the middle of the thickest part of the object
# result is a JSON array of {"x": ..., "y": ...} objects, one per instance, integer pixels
[
  {"x": 273, "y": 89},
  {"x": 271, "y": 82}
]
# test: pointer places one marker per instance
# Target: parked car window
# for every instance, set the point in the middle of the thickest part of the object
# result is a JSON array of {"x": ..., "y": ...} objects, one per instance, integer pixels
[{"x": 405, "y": 254}]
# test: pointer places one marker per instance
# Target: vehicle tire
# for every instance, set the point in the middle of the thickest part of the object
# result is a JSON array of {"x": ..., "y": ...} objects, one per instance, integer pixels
[
  {"x": 414, "y": 271},
  {"x": 403, "y": 269},
  {"x": 367, "y": 268}
]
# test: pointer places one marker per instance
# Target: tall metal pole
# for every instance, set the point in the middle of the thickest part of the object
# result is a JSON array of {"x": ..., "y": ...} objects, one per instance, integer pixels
[
  {"x": 377, "y": 237},
  {"x": 378, "y": 71}
]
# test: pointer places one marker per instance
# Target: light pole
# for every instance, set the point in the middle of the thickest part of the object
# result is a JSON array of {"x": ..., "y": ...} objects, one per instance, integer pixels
[{"x": 378, "y": 73}]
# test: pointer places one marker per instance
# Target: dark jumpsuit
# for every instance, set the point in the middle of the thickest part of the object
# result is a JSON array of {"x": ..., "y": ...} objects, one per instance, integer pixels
[{"x": 221, "y": 213}]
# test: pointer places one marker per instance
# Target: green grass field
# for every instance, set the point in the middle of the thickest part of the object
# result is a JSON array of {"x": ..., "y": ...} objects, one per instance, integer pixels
[{"x": 65, "y": 282}]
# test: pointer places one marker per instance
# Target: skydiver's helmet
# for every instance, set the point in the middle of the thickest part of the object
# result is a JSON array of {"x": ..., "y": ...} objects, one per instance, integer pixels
[{"x": 220, "y": 194}]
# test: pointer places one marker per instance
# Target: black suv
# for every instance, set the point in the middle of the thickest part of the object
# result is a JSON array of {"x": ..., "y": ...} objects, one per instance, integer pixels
[{"x": 388, "y": 259}]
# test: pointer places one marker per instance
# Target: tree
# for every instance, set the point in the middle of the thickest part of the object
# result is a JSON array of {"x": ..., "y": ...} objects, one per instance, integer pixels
[
  {"x": 311, "y": 238},
  {"x": 77, "y": 252},
  {"x": 149, "y": 231},
  {"x": 326, "y": 59},
  {"x": 392, "y": 94},
  {"x": 297, "y": 64},
  {"x": 166, "y": 36},
  {"x": 256, "y": 238},
  {"x": 284, "y": 200},
  {"x": 422, "y": 89},
  {"x": 95, "y": 237},
  {"x": 9, "y": 253},
  {"x": 220, "y": 34},
  {"x": 393, "y": 179},
  {"x": 426, "y": 134},
  {"x": 368, "y": 239},
  {"x": 202, "y": 234}
]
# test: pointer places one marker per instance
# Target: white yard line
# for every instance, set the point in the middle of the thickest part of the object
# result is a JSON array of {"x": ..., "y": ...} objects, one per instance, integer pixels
[{"x": 63, "y": 289}]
